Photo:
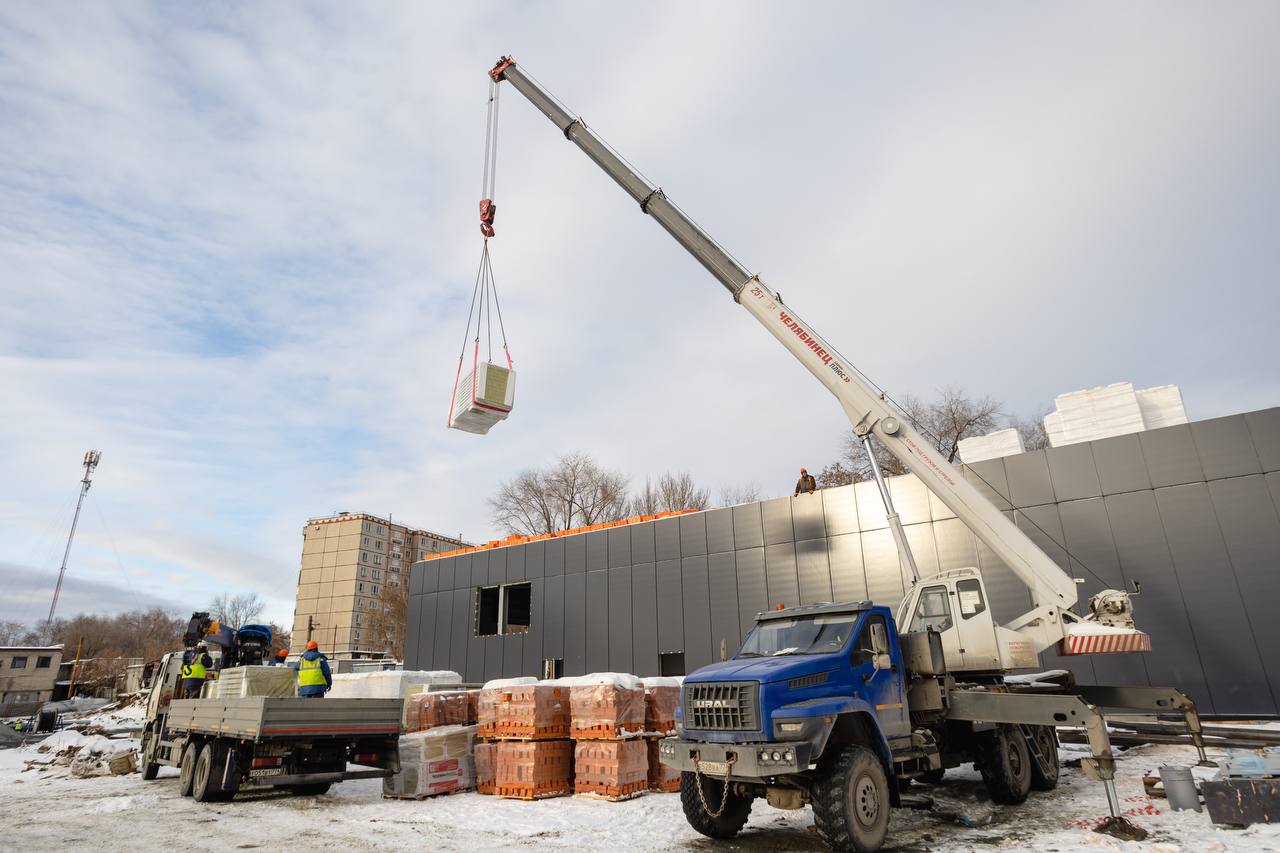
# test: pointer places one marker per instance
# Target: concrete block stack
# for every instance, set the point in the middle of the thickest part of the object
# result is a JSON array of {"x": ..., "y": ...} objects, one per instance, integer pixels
[
  {"x": 661, "y": 696},
  {"x": 433, "y": 762}
]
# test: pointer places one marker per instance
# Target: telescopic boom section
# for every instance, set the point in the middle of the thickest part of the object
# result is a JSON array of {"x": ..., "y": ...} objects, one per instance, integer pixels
[{"x": 1052, "y": 589}]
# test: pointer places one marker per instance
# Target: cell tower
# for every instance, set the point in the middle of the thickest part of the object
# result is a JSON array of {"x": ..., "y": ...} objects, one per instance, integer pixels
[{"x": 91, "y": 458}]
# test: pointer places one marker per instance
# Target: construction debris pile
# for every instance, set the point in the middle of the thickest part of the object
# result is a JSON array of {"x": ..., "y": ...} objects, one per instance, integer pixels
[{"x": 84, "y": 756}]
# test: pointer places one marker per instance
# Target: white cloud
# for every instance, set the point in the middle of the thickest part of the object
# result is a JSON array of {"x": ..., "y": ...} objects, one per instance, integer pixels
[{"x": 236, "y": 246}]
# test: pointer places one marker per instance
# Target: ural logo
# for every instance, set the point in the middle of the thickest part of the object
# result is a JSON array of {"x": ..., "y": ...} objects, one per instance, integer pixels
[{"x": 711, "y": 703}]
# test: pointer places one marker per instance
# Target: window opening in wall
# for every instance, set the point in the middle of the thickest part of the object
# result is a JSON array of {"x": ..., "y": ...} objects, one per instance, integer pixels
[
  {"x": 517, "y": 599},
  {"x": 553, "y": 668},
  {"x": 487, "y": 598},
  {"x": 671, "y": 663},
  {"x": 19, "y": 662},
  {"x": 43, "y": 662}
]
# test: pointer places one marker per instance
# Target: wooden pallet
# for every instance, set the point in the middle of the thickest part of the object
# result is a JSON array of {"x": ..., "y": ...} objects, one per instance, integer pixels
[
  {"x": 491, "y": 789},
  {"x": 420, "y": 797},
  {"x": 604, "y": 731},
  {"x": 668, "y": 787},
  {"x": 518, "y": 731},
  {"x": 528, "y": 792},
  {"x": 612, "y": 793}
]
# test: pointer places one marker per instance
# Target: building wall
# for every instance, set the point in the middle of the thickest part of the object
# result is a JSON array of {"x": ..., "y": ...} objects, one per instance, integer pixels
[
  {"x": 346, "y": 562},
  {"x": 1189, "y": 511},
  {"x": 32, "y": 679}
]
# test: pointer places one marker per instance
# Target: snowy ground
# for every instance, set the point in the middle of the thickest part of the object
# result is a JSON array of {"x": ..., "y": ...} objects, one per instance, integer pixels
[{"x": 45, "y": 810}]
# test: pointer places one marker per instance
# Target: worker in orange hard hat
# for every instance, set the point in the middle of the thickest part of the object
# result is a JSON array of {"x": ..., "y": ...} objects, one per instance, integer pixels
[
  {"x": 806, "y": 483},
  {"x": 314, "y": 677},
  {"x": 279, "y": 659}
]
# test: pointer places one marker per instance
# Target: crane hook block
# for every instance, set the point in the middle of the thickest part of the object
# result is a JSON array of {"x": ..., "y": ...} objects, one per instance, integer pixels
[
  {"x": 488, "y": 210},
  {"x": 502, "y": 65}
]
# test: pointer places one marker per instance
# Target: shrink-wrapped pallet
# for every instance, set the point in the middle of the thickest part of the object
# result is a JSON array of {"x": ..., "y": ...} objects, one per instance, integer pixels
[
  {"x": 606, "y": 705},
  {"x": 242, "y": 682},
  {"x": 661, "y": 777},
  {"x": 487, "y": 703},
  {"x": 661, "y": 696},
  {"x": 436, "y": 761},
  {"x": 437, "y": 708},
  {"x": 610, "y": 769},
  {"x": 390, "y": 684},
  {"x": 534, "y": 711},
  {"x": 532, "y": 770},
  {"x": 486, "y": 765},
  {"x": 483, "y": 397}
]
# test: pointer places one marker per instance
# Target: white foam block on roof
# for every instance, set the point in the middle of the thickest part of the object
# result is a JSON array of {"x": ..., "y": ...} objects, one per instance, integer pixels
[
  {"x": 387, "y": 684},
  {"x": 993, "y": 445},
  {"x": 1099, "y": 413},
  {"x": 1162, "y": 406}
]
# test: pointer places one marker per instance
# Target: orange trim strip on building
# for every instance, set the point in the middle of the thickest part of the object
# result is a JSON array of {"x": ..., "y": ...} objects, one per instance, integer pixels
[{"x": 517, "y": 539}]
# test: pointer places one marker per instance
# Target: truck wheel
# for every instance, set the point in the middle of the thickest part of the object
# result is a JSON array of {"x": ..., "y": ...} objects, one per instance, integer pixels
[
  {"x": 730, "y": 821},
  {"x": 187, "y": 769},
  {"x": 149, "y": 767},
  {"x": 1005, "y": 764},
  {"x": 313, "y": 790},
  {"x": 1046, "y": 738},
  {"x": 207, "y": 787},
  {"x": 851, "y": 802}
]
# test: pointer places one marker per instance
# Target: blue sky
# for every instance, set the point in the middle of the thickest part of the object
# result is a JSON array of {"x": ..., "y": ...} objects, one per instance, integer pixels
[{"x": 236, "y": 243}]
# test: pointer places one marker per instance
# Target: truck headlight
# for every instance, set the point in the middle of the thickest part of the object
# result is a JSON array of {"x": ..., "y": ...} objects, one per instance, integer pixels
[{"x": 790, "y": 727}]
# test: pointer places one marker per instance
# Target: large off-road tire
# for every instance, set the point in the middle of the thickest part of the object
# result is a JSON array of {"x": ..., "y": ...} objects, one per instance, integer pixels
[
  {"x": 313, "y": 789},
  {"x": 149, "y": 767},
  {"x": 851, "y": 801},
  {"x": 1005, "y": 764},
  {"x": 207, "y": 786},
  {"x": 187, "y": 768},
  {"x": 730, "y": 821},
  {"x": 1047, "y": 742}
]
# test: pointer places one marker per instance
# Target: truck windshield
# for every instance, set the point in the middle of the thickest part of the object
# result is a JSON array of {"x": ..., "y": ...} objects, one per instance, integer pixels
[{"x": 804, "y": 635}]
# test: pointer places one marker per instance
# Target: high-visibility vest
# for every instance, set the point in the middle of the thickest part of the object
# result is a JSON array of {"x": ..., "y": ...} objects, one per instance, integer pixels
[
  {"x": 310, "y": 674},
  {"x": 194, "y": 670}
]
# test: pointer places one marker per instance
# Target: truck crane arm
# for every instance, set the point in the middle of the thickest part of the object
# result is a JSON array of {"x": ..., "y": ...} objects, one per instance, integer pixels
[{"x": 1053, "y": 592}]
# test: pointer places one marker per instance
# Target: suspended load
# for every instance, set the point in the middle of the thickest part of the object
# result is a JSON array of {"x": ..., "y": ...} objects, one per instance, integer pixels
[{"x": 485, "y": 394}]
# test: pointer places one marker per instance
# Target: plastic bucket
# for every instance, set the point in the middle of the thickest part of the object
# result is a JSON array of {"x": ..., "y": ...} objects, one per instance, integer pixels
[{"x": 1180, "y": 788}]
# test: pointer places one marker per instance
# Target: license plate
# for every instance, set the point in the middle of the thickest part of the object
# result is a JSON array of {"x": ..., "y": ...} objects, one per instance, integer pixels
[
  {"x": 713, "y": 768},
  {"x": 267, "y": 771}
]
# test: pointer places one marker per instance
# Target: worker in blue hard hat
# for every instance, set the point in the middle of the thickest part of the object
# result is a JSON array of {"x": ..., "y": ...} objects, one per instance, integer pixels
[{"x": 314, "y": 677}]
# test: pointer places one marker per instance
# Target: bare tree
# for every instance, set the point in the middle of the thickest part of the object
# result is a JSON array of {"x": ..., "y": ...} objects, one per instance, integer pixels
[
  {"x": 1032, "y": 429},
  {"x": 573, "y": 492},
  {"x": 12, "y": 633},
  {"x": 237, "y": 610},
  {"x": 387, "y": 621},
  {"x": 673, "y": 492},
  {"x": 741, "y": 493}
]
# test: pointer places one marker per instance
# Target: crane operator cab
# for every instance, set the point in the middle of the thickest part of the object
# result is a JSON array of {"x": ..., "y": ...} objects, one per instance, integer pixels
[{"x": 954, "y": 604}]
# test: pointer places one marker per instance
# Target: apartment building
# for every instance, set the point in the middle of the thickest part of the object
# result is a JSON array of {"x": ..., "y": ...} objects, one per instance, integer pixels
[{"x": 347, "y": 561}]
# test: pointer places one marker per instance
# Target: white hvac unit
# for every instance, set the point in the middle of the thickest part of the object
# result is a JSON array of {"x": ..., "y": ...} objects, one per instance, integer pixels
[{"x": 483, "y": 397}]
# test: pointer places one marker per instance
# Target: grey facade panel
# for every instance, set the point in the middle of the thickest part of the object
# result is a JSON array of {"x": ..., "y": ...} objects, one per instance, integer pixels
[
  {"x": 1225, "y": 447},
  {"x": 813, "y": 571},
  {"x": 848, "y": 578},
  {"x": 841, "y": 508},
  {"x": 697, "y": 604},
  {"x": 989, "y": 478},
  {"x": 597, "y": 550},
  {"x": 535, "y": 559},
  {"x": 1120, "y": 465},
  {"x": 719, "y": 531},
  {"x": 642, "y": 545},
  {"x": 575, "y": 623},
  {"x": 807, "y": 517},
  {"x": 670, "y": 607},
  {"x": 575, "y": 555},
  {"x": 597, "y": 618},
  {"x": 1203, "y": 542},
  {"x": 1029, "y": 483},
  {"x": 443, "y": 630},
  {"x": 619, "y": 547},
  {"x": 621, "y": 609},
  {"x": 753, "y": 594},
  {"x": 1209, "y": 583},
  {"x": 553, "y": 559},
  {"x": 1251, "y": 530},
  {"x": 723, "y": 587},
  {"x": 1073, "y": 472},
  {"x": 777, "y": 521},
  {"x": 666, "y": 534},
  {"x": 644, "y": 619},
  {"x": 1264, "y": 429},
  {"x": 781, "y": 579},
  {"x": 748, "y": 526},
  {"x": 693, "y": 535},
  {"x": 1170, "y": 454},
  {"x": 553, "y": 619}
]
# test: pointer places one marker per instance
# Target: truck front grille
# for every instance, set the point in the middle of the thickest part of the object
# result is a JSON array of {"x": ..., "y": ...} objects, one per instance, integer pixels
[{"x": 726, "y": 706}]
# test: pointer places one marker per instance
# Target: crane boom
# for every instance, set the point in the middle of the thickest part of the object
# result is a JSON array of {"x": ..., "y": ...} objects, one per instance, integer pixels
[{"x": 1053, "y": 591}]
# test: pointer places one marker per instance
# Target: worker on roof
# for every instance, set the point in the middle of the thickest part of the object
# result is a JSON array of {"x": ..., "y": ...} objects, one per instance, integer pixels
[
  {"x": 314, "y": 677},
  {"x": 279, "y": 659},
  {"x": 195, "y": 669},
  {"x": 806, "y": 483}
]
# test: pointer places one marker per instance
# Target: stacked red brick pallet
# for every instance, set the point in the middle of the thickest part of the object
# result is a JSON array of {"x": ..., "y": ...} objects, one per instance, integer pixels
[
  {"x": 526, "y": 753},
  {"x": 611, "y": 759},
  {"x": 436, "y": 756},
  {"x": 661, "y": 696}
]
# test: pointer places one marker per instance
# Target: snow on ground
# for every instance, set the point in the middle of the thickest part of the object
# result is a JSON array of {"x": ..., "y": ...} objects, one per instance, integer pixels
[{"x": 46, "y": 810}]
